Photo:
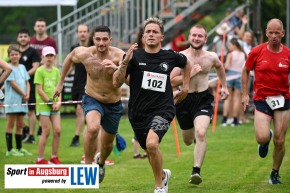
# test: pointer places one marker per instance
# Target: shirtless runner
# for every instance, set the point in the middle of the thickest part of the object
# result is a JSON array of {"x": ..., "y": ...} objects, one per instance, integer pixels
[
  {"x": 102, "y": 101},
  {"x": 195, "y": 111}
]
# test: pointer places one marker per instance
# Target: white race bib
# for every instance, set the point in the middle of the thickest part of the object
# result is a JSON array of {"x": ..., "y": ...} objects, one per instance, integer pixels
[
  {"x": 154, "y": 81},
  {"x": 275, "y": 102}
]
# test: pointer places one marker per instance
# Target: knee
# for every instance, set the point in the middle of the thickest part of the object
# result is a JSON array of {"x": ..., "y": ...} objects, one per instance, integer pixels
[
  {"x": 262, "y": 139},
  {"x": 93, "y": 130},
  {"x": 279, "y": 142},
  {"x": 152, "y": 146},
  {"x": 57, "y": 132},
  {"x": 200, "y": 134}
]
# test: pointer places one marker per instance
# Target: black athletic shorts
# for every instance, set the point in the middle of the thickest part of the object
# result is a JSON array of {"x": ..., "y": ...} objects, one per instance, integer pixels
[
  {"x": 158, "y": 124},
  {"x": 193, "y": 105},
  {"x": 263, "y": 107}
]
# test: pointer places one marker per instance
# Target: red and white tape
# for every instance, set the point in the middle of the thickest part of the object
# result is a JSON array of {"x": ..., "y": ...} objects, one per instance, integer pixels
[{"x": 48, "y": 103}]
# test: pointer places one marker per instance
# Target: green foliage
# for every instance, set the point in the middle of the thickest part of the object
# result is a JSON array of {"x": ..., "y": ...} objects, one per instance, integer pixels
[{"x": 231, "y": 165}]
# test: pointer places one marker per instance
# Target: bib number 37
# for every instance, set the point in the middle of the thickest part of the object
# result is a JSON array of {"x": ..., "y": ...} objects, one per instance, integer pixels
[{"x": 154, "y": 81}]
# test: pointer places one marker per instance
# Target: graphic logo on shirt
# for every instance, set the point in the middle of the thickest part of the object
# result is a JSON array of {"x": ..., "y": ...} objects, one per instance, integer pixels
[
  {"x": 282, "y": 65},
  {"x": 164, "y": 66},
  {"x": 142, "y": 64},
  {"x": 24, "y": 58}
]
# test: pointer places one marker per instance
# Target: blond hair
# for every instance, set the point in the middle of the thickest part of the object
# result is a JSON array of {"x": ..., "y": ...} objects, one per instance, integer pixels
[{"x": 154, "y": 20}]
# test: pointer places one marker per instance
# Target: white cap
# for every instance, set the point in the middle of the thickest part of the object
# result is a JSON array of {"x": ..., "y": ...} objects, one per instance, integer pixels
[{"x": 224, "y": 28}]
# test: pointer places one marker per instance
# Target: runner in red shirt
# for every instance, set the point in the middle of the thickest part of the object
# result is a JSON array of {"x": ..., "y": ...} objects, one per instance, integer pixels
[{"x": 271, "y": 63}]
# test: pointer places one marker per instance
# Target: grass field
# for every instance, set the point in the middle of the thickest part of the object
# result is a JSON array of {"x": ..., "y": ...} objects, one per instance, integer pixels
[{"x": 231, "y": 164}]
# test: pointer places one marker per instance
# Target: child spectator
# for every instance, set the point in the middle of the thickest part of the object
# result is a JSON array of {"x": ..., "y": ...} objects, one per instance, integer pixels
[
  {"x": 17, "y": 91},
  {"x": 46, "y": 78}
]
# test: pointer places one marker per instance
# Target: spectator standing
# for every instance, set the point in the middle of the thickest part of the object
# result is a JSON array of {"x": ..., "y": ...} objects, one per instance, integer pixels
[
  {"x": 179, "y": 43},
  {"x": 218, "y": 40},
  {"x": 38, "y": 42},
  {"x": 30, "y": 59},
  {"x": 46, "y": 78},
  {"x": 41, "y": 39},
  {"x": 79, "y": 83},
  {"x": 234, "y": 65},
  {"x": 17, "y": 91},
  {"x": 271, "y": 64}
]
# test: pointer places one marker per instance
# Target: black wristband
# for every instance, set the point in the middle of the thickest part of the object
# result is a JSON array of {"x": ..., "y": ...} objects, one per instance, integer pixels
[{"x": 50, "y": 101}]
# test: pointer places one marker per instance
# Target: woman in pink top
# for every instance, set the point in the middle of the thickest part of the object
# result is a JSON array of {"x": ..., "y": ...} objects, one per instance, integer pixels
[{"x": 234, "y": 65}]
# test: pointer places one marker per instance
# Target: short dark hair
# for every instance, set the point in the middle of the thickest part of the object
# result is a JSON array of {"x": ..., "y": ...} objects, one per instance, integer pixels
[
  {"x": 40, "y": 19},
  {"x": 23, "y": 31},
  {"x": 102, "y": 28}
]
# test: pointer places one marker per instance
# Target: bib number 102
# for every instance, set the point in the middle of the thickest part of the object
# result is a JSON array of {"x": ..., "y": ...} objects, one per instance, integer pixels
[{"x": 154, "y": 83}]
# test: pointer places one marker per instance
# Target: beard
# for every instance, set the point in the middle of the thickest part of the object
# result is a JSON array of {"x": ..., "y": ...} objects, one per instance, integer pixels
[{"x": 197, "y": 47}]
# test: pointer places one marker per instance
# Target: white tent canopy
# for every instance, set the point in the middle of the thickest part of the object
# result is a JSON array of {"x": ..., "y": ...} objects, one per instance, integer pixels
[{"x": 36, "y": 3}]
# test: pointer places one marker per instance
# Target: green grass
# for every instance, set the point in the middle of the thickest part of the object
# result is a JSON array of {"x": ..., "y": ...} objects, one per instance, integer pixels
[{"x": 231, "y": 163}]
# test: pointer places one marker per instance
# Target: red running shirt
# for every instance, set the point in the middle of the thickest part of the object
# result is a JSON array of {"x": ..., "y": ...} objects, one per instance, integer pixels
[{"x": 271, "y": 71}]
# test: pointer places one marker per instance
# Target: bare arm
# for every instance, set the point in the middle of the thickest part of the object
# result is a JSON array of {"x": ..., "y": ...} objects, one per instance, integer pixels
[
  {"x": 7, "y": 70},
  {"x": 222, "y": 77},
  {"x": 119, "y": 76},
  {"x": 176, "y": 77},
  {"x": 41, "y": 93},
  {"x": 67, "y": 65},
  {"x": 240, "y": 32},
  {"x": 35, "y": 65},
  {"x": 245, "y": 81},
  {"x": 182, "y": 95},
  {"x": 15, "y": 86},
  {"x": 228, "y": 61},
  {"x": 181, "y": 44},
  {"x": 27, "y": 91}
]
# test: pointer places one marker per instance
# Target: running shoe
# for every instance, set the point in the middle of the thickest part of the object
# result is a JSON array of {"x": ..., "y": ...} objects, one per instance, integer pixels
[
  {"x": 159, "y": 190},
  {"x": 274, "y": 178},
  {"x": 75, "y": 142},
  {"x": 264, "y": 149},
  {"x": 165, "y": 181},
  {"x": 195, "y": 179}
]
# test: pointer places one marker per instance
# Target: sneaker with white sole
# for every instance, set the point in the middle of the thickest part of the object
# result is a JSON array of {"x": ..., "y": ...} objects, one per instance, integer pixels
[
  {"x": 159, "y": 190},
  {"x": 165, "y": 181},
  {"x": 274, "y": 178},
  {"x": 25, "y": 152},
  {"x": 101, "y": 169},
  {"x": 264, "y": 149},
  {"x": 195, "y": 179},
  {"x": 14, "y": 152}
]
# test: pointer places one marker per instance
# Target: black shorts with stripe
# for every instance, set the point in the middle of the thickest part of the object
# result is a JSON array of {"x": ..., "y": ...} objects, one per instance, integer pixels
[{"x": 195, "y": 104}]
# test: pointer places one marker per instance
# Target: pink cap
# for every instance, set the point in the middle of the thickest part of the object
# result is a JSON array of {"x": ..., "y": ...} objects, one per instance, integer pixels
[{"x": 48, "y": 50}]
